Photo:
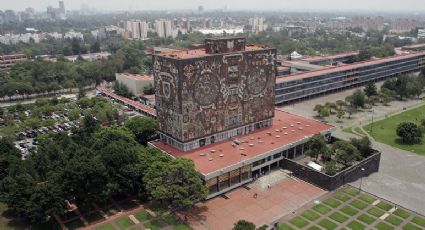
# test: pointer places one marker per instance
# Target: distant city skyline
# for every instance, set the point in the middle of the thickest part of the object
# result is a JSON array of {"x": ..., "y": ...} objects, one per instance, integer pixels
[{"x": 308, "y": 5}]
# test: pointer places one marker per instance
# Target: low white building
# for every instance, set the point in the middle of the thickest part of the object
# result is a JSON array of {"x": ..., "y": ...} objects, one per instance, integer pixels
[{"x": 135, "y": 82}]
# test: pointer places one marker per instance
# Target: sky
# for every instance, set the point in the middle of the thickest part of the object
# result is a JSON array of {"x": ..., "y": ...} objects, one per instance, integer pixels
[{"x": 308, "y": 5}]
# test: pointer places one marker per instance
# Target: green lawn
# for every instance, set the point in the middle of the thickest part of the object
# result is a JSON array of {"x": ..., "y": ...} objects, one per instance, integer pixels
[
  {"x": 342, "y": 197},
  {"x": 106, "y": 227},
  {"x": 375, "y": 212},
  {"x": 349, "y": 210},
  {"x": 321, "y": 209},
  {"x": 338, "y": 217},
  {"x": 367, "y": 198},
  {"x": 352, "y": 191},
  {"x": 366, "y": 219},
  {"x": 358, "y": 204},
  {"x": 327, "y": 224},
  {"x": 299, "y": 222},
  {"x": 284, "y": 227},
  {"x": 419, "y": 221},
  {"x": 385, "y": 206},
  {"x": 332, "y": 202},
  {"x": 410, "y": 226},
  {"x": 385, "y": 130},
  {"x": 124, "y": 222},
  {"x": 310, "y": 215},
  {"x": 393, "y": 220},
  {"x": 142, "y": 216},
  {"x": 384, "y": 226},
  {"x": 356, "y": 225},
  {"x": 401, "y": 213}
]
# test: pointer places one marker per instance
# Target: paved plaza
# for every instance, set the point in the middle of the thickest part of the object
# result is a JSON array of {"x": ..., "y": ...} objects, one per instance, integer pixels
[
  {"x": 270, "y": 204},
  {"x": 401, "y": 177}
]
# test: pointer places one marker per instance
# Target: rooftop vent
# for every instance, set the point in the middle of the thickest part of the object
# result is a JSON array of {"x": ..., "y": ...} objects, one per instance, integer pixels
[
  {"x": 284, "y": 127},
  {"x": 252, "y": 138},
  {"x": 243, "y": 154},
  {"x": 260, "y": 142},
  {"x": 251, "y": 145},
  {"x": 293, "y": 130},
  {"x": 292, "y": 125},
  {"x": 277, "y": 130},
  {"x": 221, "y": 155},
  {"x": 210, "y": 159},
  {"x": 238, "y": 142},
  {"x": 241, "y": 148},
  {"x": 300, "y": 128},
  {"x": 307, "y": 125},
  {"x": 285, "y": 133},
  {"x": 277, "y": 136},
  {"x": 299, "y": 122},
  {"x": 202, "y": 154}
]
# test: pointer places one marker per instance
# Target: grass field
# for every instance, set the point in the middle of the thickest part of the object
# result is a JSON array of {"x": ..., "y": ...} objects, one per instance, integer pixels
[
  {"x": 385, "y": 130},
  {"x": 356, "y": 211}
]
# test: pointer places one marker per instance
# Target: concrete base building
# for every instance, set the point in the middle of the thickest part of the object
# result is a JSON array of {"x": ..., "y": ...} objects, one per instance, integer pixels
[
  {"x": 6, "y": 61},
  {"x": 135, "y": 82}
]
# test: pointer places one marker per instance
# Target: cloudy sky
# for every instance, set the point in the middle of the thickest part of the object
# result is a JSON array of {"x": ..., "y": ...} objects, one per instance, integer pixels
[{"x": 372, "y": 5}]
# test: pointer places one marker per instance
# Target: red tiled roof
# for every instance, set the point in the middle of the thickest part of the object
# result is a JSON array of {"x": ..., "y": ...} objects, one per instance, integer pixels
[
  {"x": 263, "y": 140},
  {"x": 145, "y": 108}
]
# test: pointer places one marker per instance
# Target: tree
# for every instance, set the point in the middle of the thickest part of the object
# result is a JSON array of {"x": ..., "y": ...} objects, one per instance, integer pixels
[
  {"x": 324, "y": 112},
  {"x": 143, "y": 128},
  {"x": 318, "y": 108},
  {"x": 363, "y": 145},
  {"x": 340, "y": 104},
  {"x": 175, "y": 183},
  {"x": 243, "y": 225},
  {"x": 316, "y": 146},
  {"x": 331, "y": 168},
  {"x": 340, "y": 114},
  {"x": 364, "y": 55},
  {"x": 401, "y": 87},
  {"x": 409, "y": 133},
  {"x": 345, "y": 152},
  {"x": 357, "y": 99},
  {"x": 370, "y": 89}
]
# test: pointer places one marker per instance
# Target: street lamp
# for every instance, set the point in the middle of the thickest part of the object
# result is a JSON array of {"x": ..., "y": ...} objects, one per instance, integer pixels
[
  {"x": 361, "y": 180},
  {"x": 371, "y": 124}
]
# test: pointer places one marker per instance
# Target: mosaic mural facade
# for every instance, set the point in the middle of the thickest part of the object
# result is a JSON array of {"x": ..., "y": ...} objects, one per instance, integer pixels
[{"x": 202, "y": 96}]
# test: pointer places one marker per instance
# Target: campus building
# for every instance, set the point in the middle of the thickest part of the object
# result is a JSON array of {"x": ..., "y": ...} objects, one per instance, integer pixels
[
  {"x": 136, "y": 83},
  {"x": 334, "y": 78},
  {"x": 6, "y": 61},
  {"x": 215, "y": 106}
]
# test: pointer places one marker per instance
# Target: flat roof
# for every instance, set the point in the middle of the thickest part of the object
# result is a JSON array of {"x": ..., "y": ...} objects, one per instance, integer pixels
[
  {"x": 328, "y": 57},
  {"x": 414, "y": 46},
  {"x": 286, "y": 129},
  {"x": 145, "y": 108},
  {"x": 345, "y": 67},
  {"x": 195, "y": 53},
  {"x": 137, "y": 76}
]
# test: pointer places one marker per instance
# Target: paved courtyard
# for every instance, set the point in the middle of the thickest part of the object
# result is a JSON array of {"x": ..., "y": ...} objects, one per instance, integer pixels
[
  {"x": 283, "y": 197},
  {"x": 401, "y": 178}
]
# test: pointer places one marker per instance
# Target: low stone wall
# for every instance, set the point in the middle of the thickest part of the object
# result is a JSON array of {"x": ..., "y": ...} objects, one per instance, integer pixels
[{"x": 350, "y": 174}]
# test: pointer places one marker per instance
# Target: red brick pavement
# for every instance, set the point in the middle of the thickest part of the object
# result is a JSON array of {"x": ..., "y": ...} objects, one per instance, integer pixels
[{"x": 270, "y": 205}]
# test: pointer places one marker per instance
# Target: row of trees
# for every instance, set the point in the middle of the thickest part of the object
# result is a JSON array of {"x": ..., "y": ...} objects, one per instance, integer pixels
[
  {"x": 402, "y": 87},
  {"x": 89, "y": 166},
  {"x": 340, "y": 154}
]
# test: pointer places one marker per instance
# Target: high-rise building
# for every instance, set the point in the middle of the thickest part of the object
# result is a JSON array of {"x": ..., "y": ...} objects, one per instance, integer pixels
[
  {"x": 137, "y": 29},
  {"x": 421, "y": 33},
  {"x": 210, "y": 95},
  {"x": 164, "y": 28},
  {"x": 257, "y": 24}
]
